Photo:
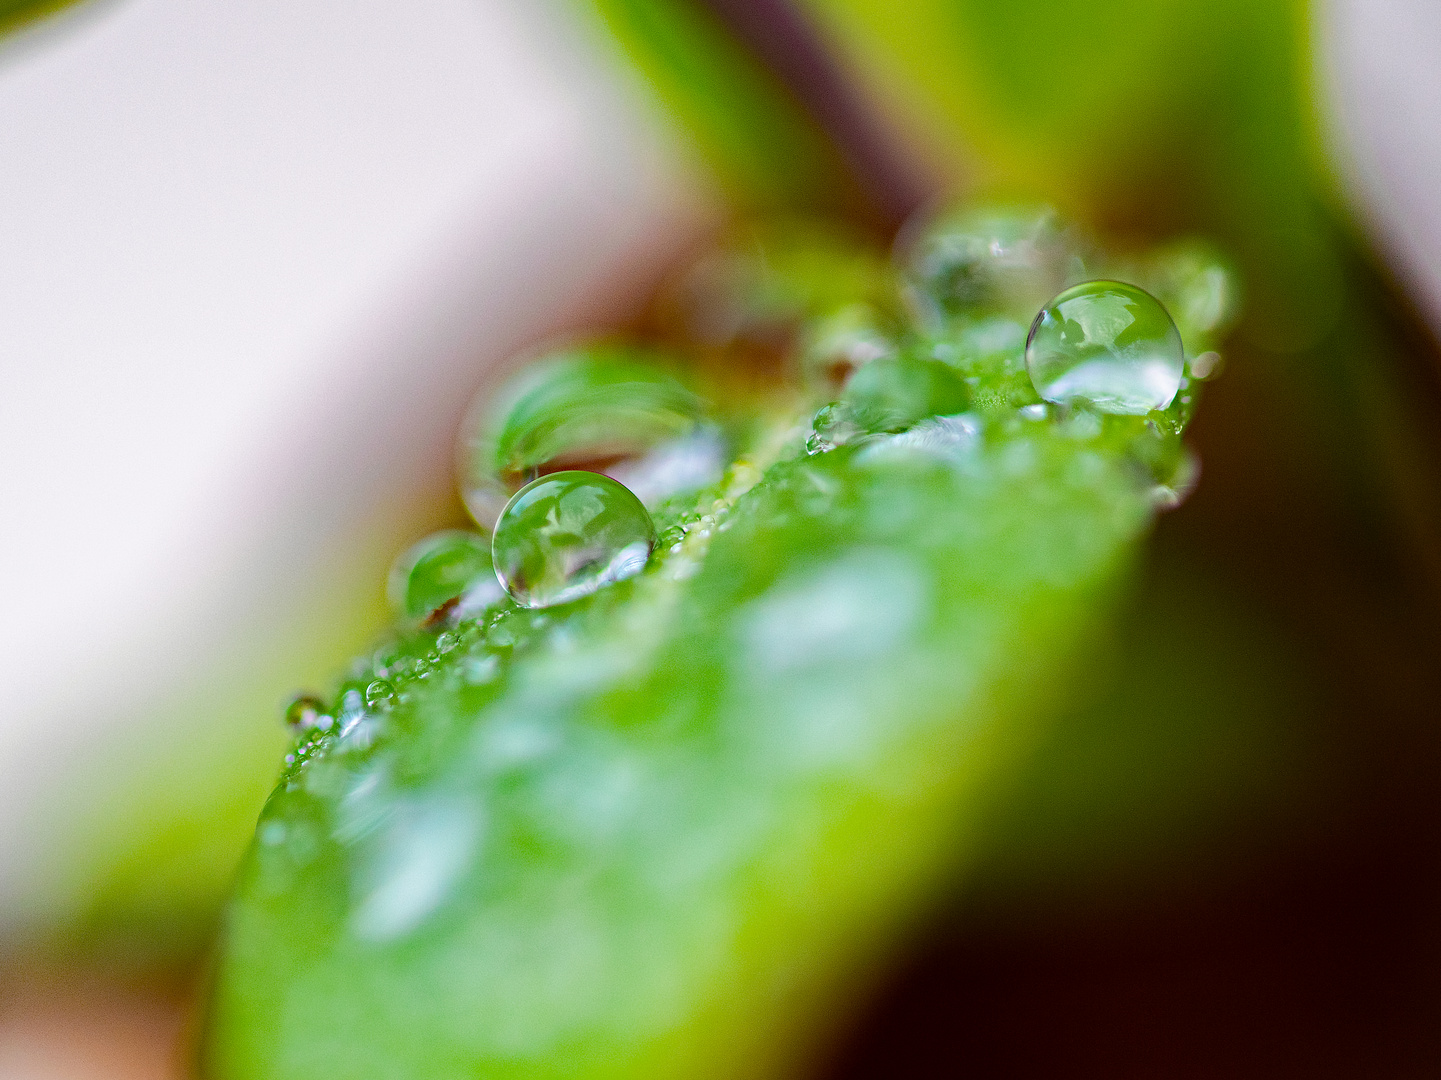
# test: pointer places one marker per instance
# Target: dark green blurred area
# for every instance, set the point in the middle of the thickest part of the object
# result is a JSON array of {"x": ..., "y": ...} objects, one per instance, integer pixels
[
  {"x": 1258, "y": 750},
  {"x": 17, "y": 13}
]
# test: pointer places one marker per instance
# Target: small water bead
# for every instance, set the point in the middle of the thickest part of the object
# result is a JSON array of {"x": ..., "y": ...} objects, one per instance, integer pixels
[
  {"x": 379, "y": 695},
  {"x": 1109, "y": 344},
  {"x": 566, "y": 535},
  {"x": 438, "y": 569},
  {"x": 834, "y": 425}
]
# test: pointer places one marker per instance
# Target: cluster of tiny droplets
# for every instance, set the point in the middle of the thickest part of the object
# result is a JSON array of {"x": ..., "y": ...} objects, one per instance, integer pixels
[{"x": 1098, "y": 348}]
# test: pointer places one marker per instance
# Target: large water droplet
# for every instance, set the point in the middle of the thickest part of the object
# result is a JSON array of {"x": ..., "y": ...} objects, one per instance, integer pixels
[
  {"x": 566, "y": 535},
  {"x": 1109, "y": 344},
  {"x": 986, "y": 262},
  {"x": 589, "y": 407},
  {"x": 440, "y": 568},
  {"x": 379, "y": 695}
]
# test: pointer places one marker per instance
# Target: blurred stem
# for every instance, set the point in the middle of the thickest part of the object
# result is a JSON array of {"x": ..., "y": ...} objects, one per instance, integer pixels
[{"x": 782, "y": 40}]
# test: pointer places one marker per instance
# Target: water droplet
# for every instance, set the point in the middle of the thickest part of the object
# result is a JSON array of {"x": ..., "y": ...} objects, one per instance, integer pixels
[
  {"x": 379, "y": 695},
  {"x": 1033, "y": 412},
  {"x": 586, "y": 407},
  {"x": 950, "y": 438},
  {"x": 438, "y": 569},
  {"x": 305, "y": 712},
  {"x": 1109, "y": 344},
  {"x": 985, "y": 262},
  {"x": 834, "y": 425},
  {"x": 566, "y": 535}
]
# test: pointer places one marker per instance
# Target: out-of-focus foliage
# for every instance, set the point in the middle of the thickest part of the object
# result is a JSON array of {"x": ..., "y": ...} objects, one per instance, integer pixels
[
  {"x": 17, "y": 13},
  {"x": 1162, "y": 119},
  {"x": 749, "y": 129}
]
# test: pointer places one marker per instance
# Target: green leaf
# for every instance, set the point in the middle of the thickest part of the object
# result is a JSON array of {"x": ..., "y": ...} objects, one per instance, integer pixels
[
  {"x": 659, "y": 839},
  {"x": 662, "y": 830}
]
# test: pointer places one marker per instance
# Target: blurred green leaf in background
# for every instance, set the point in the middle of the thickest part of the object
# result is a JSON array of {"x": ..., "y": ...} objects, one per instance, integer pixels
[{"x": 1257, "y": 703}]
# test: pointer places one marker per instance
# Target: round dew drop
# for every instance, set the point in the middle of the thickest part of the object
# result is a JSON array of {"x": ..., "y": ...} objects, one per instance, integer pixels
[
  {"x": 379, "y": 695},
  {"x": 1107, "y": 344},
  {"x": 566, "y": 535}
]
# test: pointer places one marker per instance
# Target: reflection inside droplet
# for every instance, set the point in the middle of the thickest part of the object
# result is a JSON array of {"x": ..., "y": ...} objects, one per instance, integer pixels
[
  {"x": 566, "y": 535},
  {"x": 1109, "y": 344}
]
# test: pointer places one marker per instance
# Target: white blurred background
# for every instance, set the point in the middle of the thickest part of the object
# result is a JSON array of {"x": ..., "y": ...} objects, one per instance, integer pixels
[{"x": 255, "y": 257}]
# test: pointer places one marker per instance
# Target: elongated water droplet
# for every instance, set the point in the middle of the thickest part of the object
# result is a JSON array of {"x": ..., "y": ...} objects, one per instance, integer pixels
[
  {"x": 587, "y": 407},
  {"x": 566, "y": 535},
  {"x": 306, "y": 711},
  {"x": 1109, "y": 344},
  {"x": 987, "y": 261},
  {"x": 439, "y": 568}
]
